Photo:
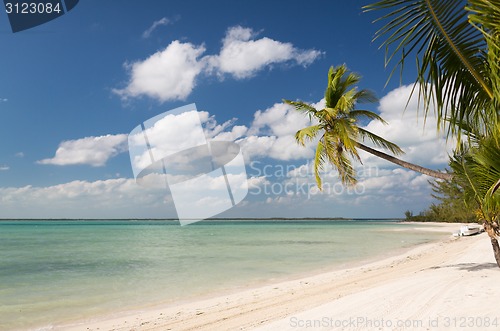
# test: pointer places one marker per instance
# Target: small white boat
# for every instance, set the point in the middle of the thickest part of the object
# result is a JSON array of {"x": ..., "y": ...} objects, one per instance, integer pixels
[{"x": 469, "y": 230}]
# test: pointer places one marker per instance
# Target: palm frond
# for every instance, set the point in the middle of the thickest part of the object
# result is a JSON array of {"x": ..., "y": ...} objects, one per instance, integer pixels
[
  {"x": 380, "y": 142},
  {"x": 338, "y": 159},
  {"x": 485, "y": 16},
  {"x": 307, "y": 134},
  {"x": 365, "y": 96},
  {"x": 302, "y": 107},
  {"x": 494, "y": 188},
  {"x": 346, "y": 102},
  {"x": 451, "y": 67},
  {"x": 338, "y": 84},
  {"x": 343, "y": 131},
  {"x": 319, "y": 161},
  {"x": 360, "y": 113},
  {"x": 477, "y": 169},
  {"x": 351, "y": 79}
]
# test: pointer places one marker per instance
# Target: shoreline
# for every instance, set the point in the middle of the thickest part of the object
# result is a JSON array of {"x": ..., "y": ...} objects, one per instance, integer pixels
[{"x": 276, "y": 303}]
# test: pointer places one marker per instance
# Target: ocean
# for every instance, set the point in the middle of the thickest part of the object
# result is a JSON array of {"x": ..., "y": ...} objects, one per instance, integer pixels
[{"x": 54, "y": 272}]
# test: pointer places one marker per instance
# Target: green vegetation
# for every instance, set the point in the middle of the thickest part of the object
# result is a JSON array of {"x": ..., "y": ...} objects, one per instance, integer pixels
[
  {"x": 451, "y": 207},
  {"x": 457, "y": 48}
]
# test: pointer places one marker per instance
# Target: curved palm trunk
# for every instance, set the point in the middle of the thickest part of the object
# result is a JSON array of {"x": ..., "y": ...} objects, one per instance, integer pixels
[
  {"x": 496, "y": 250},
  {"x": 492, "y": 233},
  {"x": 404, "y": 164}
]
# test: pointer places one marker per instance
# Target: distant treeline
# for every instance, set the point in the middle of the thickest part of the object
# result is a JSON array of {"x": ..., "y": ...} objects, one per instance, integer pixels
[{"x": 451, "y": 207}]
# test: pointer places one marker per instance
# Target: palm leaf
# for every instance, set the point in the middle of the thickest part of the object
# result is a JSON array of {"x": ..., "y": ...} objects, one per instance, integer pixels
[
  {"x": 365, "y": 96},
  {"x": 307, "y": 134},
  {"x": 319, "y": 161},
  {"x": 359, "y": 113},
  {"x": 380, "y": 142},
  {"x": 448, "y": 55},
  {"x": 337, "y": 85},
  {"x": 494, "y": 188},
  {"x": 346, "y": 101},
  {"x": 485, "y": 16},
  {"x": 343, "y": 131},
  {"x": 302, "y": 107},
  {"x": 337, "y": 158}
]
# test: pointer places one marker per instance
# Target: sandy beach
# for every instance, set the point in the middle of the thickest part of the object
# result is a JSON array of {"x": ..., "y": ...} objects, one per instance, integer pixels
[{"x": 448, "y": 285}]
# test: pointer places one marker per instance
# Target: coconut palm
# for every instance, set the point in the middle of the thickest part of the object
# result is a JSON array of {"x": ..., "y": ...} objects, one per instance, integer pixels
[
  {"x": 457, "y": 47},
  {"x": 340, "y": 134},
  {"x": 477, "y": 170}
]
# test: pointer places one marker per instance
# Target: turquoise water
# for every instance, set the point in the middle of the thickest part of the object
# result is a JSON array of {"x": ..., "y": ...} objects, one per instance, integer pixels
[{"x": 52, "y": 272}]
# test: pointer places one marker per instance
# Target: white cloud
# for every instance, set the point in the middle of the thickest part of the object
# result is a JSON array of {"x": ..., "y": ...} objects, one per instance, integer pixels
[
  {"x": 4, "y": 167},
  {"x": 272, "y": 134},
  {"x": 163, "y": 21},
  {"x": 112, "y": 198},
  {"x": 421, "y": 143},
  {"x": 94, "y": 151},
  {"x": 4, "y": 99},
  {"x": 236, "y": 132},
  {"x": 257, "y": 181},
  {"x": 169, "y": 74},
  {"x": 166, "y": 136},
  {"x": 242, "y": 56}
]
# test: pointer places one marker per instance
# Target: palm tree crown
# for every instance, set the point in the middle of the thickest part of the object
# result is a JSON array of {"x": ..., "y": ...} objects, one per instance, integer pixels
[{"x": 338, "y": 127}]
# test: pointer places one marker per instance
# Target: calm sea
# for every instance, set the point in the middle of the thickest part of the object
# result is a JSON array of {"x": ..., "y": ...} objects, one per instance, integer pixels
[{"x": 52, "y": 272}]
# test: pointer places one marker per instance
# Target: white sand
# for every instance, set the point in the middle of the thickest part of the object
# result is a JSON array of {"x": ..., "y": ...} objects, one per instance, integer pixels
[{"x": 451, "y": 285}]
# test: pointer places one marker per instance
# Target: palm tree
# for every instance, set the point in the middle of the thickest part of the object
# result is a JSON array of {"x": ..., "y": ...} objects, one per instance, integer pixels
[
  {"x": 340, "y": 134},
  {"x": 457, "y": 47},
  {"x": 477, "y": 170}
]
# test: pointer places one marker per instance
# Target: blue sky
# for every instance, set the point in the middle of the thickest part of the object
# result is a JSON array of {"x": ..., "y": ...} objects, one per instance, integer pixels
[{"x": 73, "y": 88}]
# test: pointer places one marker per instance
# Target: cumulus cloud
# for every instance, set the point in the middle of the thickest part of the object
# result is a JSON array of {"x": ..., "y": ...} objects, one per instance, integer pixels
[
  {"x": 94, "y": 151},
  {"x": 272, "y": 134},
  {"x": 171, "y": 74},
  {"x": 236, "y": 132},
  {"x": 167, "y": 136},
  {"x": 414, "y": 133},
  {"x": 163, "y": 21},
  {"x": 120, "y": 197},
  {"x": 242, "y": 56}
]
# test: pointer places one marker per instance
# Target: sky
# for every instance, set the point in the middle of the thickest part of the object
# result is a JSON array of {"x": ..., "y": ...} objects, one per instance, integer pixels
[{"x": 74, "y": 88}]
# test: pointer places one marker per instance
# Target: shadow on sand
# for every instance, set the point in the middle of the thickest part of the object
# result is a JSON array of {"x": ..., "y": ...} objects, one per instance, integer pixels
[{"x": 469, "y": 266}]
